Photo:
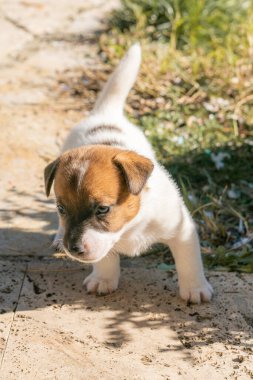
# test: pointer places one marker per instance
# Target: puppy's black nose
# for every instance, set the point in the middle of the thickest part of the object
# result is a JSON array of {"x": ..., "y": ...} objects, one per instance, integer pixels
[{"x": 76, "y": 249}]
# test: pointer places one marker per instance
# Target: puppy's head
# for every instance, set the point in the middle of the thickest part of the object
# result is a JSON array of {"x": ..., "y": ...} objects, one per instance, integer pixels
[{"x": 97, "y": 191}]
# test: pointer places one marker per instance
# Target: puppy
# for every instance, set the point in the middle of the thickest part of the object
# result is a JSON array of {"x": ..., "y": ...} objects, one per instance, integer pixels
[{"x": 114, "y": 197}]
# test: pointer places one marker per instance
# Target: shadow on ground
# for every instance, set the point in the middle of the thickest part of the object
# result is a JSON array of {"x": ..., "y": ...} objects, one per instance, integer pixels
[
  {"x": 146, "y": 300},
  {"x": 28, "y": 223}
]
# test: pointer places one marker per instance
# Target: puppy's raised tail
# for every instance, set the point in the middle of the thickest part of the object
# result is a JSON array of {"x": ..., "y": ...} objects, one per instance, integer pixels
[{"x": 114, "y": 94}]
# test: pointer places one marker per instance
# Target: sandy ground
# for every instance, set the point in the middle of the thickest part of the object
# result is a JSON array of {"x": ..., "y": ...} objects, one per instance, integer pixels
[{"x": 49, "y": 327}]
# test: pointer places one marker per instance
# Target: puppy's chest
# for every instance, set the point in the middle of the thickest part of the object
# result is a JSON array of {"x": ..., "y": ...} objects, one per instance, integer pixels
[{"x": 138, "y": 239}]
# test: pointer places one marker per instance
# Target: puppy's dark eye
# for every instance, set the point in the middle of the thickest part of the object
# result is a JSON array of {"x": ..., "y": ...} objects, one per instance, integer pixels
[
  {"x": 102, "y": 210},
  {"x": 61, "y": 209}
]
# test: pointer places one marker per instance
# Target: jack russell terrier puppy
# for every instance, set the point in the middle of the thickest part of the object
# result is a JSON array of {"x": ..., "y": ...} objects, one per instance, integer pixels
[{"x": 114, "y": 197}]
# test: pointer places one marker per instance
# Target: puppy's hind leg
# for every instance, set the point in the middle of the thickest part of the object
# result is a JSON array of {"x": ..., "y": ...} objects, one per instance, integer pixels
[
  {"x": 185, "y": 248},
  {"x": 105, "y": 275}
]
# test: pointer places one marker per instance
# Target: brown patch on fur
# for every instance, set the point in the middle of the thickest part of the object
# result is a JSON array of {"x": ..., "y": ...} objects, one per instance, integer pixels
[
  {"x": 111, "y": 142},
  {"x": 135, "y": 168},
  {"x": 110, "y": 176},
  {"x": 49, "y": 174},
  {"x": 103, "y": 128}
]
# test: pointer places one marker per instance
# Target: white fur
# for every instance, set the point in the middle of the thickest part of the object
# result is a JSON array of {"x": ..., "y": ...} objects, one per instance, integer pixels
[
  {"x": 105, "y": 275},
  {"x": 163, "y": 216},
  {"x": 98, "y": 244}
]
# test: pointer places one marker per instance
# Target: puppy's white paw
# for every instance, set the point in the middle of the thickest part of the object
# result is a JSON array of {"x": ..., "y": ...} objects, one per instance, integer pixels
[
  {"x": 196, "y": 292},
  {"x": 96, "y": 284}
]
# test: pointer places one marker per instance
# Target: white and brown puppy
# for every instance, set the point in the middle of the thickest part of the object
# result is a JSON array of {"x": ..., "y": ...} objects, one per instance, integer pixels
[{"x": 113, "y": 196}]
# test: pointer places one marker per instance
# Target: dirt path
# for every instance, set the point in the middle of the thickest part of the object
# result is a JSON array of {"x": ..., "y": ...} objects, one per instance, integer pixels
[
  {"x": 39, "y": 42},
  {"x": 49, "y": 327}
]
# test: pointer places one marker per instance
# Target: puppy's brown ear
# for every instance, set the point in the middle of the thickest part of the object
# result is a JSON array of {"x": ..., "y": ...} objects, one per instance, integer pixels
[
  {"x": 135, "y": 168},
  {"x": 49, "y": 174}
]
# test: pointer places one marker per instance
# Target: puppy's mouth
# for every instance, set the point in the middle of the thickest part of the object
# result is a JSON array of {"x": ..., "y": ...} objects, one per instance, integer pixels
[{"x": 83, "y": 257}]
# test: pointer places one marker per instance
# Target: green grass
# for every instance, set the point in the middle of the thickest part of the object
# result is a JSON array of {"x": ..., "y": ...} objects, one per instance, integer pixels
[
  {"x": 203, "y": 24},
  {"x": 194, "y": 100}
]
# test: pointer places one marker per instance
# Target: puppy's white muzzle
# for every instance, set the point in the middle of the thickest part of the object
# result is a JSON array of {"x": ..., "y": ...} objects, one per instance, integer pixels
[{"x": 95, "y": 245}]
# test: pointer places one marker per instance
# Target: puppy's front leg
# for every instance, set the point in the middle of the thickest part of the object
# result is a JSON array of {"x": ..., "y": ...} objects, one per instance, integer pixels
[
  {"x": 58, "y": 239},
  {"x": 105, "y": 275},
  {"x": 185, "y": 248}
]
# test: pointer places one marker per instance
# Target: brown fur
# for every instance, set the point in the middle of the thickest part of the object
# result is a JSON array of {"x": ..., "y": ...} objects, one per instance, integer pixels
[
  {"x": 98, "y": 175},
  {"x": 102, "y": 128}
]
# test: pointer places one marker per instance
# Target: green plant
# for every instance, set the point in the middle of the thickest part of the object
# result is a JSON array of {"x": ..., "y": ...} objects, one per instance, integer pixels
[{"x": 203, "y": 23}]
